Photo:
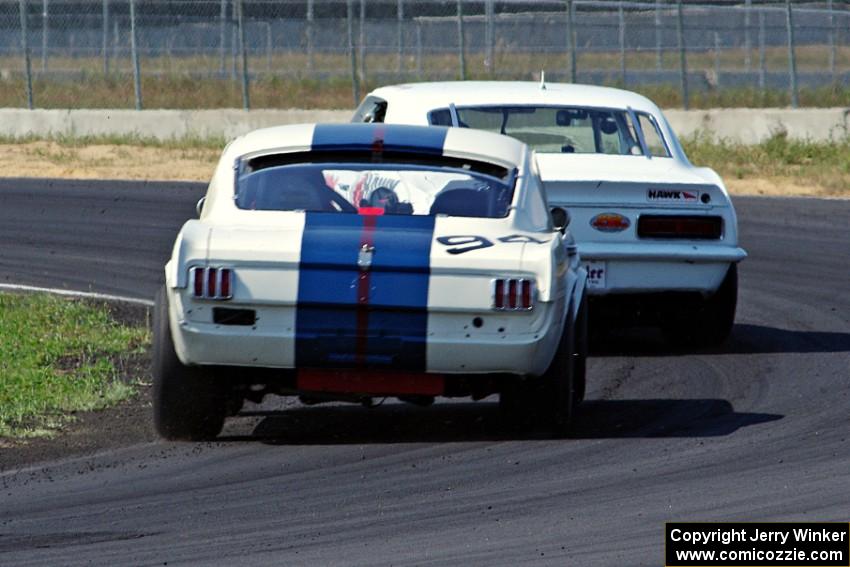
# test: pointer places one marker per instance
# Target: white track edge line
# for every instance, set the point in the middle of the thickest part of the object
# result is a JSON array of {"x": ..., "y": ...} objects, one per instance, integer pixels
[{"x": 78, "y": 294}]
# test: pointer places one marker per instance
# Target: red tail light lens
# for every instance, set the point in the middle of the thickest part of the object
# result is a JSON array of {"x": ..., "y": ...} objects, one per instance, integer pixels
[
  {"x": 212, "y": 277},
  {"x": 499, "y": 294},
  {"x": 198, "y": 281},
  {"x": 212, "y": 283},
  {"x": 224, "y": 288},
  {"x": 679, "y": 226},
  {"x": 525, "y": 296},
  {"x": 513, "y": 294}
]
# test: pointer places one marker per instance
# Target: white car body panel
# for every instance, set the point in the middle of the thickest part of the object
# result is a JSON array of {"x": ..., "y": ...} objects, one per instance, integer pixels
[
  {"x": 264, "y": 249},
  {"x": 591, "y": 184}
]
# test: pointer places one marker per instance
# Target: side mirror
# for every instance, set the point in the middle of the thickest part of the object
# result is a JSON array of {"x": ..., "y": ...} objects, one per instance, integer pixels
[
  {"x": 560, "y": 218},
  {"x": 199, "y": 206}
]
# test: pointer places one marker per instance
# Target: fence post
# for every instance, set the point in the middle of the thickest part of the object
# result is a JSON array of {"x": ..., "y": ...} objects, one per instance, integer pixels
[
  {"x": 134, "y": 54},
  {"x": 489, "y": 37},
  {"x": 234, "y": 42},
  {"x": 621, "y": 25},
  {"x": 25, "y": 45},
  {"x": 659, "y": 63},
  {"x": 717, "y": 59},
  {"x": 748, "y": 7},
  {"x": 116, "y": 40},
  {"x": 355, "y": 82},
  {"x": 832, "y": 43},
  {"x": 269, "y": 47},
  {"x": 792, "y": 56},
  {"x": 45, "y": 31},
  {"x": 105, "y": 47},
  {"x": 362, "y": 42},
  {"x": 400, "y": 34},
  {"x": 310, "y": 39},
  {"x": 418, "y": 48},
  {"x": 762, "y": 56},
  {"x": 683, "y": 60},
  {"x": 243, "y": 51},
  {"x": 571, "y": 40},
  {"x": 222, "y": 40},
  {"x": 461, "y": 46}
]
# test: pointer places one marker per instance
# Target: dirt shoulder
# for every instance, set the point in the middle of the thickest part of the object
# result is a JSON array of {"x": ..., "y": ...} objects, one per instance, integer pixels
[
  {"x": 89, "y": 432},
  {"x": 100, "y": 161},
  {"x": 151, "y": 163}
]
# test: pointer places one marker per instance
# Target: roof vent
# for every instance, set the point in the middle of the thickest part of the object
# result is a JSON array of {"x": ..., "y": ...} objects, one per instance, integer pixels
[{"x": 542, "y": 80}]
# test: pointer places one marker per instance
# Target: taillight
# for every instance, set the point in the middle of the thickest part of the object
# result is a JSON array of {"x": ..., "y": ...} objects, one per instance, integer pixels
[
  {"x": 513, "y": 294},
  {"x": 212, "y": 283},
  {"x": 679, "y": 226},
  {"x": 610, "y": 222}
]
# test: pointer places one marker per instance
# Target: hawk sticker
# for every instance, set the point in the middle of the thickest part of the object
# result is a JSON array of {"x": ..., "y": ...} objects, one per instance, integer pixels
[{"x": 672, "y": 196}]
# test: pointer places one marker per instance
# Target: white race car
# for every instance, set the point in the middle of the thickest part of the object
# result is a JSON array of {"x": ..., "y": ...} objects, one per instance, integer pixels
[
  {"x": 658, "y": 236},
  {"x": 354, "y": 261}
]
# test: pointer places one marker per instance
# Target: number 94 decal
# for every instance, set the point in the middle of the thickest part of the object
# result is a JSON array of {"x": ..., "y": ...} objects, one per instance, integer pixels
[{"x": 463, "y": 243}]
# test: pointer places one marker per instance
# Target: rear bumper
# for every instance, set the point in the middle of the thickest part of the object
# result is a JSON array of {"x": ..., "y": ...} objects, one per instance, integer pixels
[
  {"x": 505, "y": 343},
  {"x": 652, "y": 268}
]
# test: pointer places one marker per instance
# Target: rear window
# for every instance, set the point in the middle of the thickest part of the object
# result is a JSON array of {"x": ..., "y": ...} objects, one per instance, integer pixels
[
  {"x": 555, "y": 129},
  {"x": 373, "y": 188}
]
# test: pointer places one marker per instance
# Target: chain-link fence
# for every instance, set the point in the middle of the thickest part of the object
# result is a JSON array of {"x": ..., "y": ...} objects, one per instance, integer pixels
[{"x": 196, "y": 53}]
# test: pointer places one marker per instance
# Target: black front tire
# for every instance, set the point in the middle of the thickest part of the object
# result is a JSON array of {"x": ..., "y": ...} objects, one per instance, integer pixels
[{"x": 188, "y": 402}]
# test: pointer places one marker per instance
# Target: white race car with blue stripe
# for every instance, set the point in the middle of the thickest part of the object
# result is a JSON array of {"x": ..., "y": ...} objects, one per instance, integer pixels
[
  {"x": 354, "y": 261},
  {"x": 658, "y": 236}
]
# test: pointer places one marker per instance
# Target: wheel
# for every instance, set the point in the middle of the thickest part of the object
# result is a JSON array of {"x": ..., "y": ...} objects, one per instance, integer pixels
[
  {"x": 551, "y": 398},
  {"x": 709, "y": 322},
  {"x": 517, "y": 399},
  {"x": 558, "y": 393},
  {"x": 580, "y": 349},
  {"x": 188, "y": 403}
]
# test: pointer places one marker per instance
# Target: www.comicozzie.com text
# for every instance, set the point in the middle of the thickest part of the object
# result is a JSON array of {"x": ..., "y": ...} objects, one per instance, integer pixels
[{"x": 727, "y": 536}]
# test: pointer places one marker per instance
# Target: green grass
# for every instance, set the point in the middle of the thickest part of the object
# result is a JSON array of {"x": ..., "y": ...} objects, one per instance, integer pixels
[
  {"x": 58, "y": 356},
  {"x": 826, "y": 164}
]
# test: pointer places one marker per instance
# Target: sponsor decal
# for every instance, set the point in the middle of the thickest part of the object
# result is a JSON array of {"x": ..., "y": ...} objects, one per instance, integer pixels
[
  {"x": 610, "y": 222},
  {"x": 597, "y": 272},
  {"x": 672, "y": 195}
]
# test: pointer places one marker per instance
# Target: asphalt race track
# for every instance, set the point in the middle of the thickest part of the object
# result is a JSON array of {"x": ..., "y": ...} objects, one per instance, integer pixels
[{"x": 755, "y": 431}]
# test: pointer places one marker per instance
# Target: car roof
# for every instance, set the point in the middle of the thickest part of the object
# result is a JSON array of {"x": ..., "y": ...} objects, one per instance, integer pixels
[
  {"x": 464, "y": 93},
  {"x": 436, "y": 140}
]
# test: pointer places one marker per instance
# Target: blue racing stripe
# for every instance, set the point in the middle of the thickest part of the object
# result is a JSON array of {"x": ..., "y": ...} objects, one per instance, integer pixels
[
  {"x": 335, "y": 327},
  {"x": 379, "y": 137}
]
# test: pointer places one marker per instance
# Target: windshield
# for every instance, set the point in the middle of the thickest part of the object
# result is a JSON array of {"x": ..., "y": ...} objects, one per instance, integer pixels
[
  {"x": 560, "y": 129},
  {"x": 392, "y": 189}
]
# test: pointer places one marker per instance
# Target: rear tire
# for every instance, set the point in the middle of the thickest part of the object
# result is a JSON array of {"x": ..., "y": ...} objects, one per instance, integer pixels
[
  {"x": 188, "y": 402},
  {"x": 558, "y": 399},
  {"x": 710, "y": 322},
  {"x": 580, "y": 352}
]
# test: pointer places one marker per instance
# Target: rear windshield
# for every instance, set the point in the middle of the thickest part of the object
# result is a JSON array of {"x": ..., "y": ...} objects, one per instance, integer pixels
[
  {"x": 558, "y": 129},
  {"x": 373, "y": 188}
]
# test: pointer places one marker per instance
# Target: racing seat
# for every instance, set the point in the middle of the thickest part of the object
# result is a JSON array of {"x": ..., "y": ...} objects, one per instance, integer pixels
[{"x": 462, "y": 203}]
